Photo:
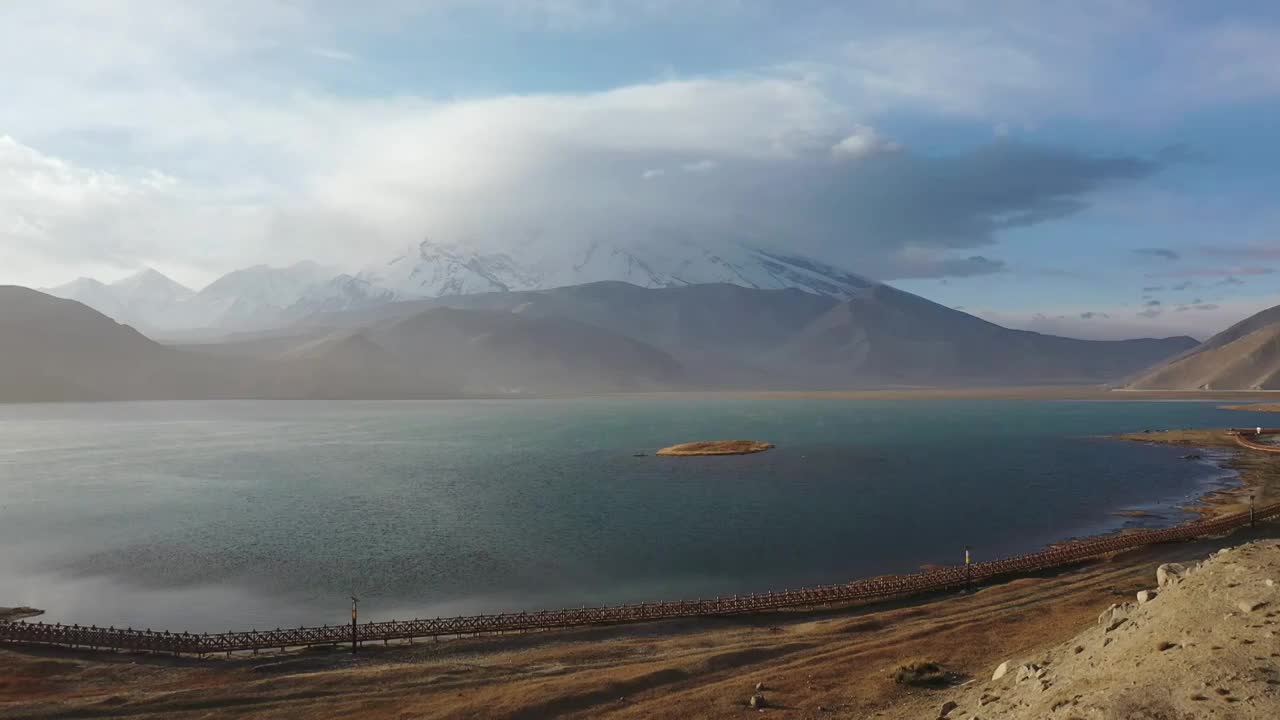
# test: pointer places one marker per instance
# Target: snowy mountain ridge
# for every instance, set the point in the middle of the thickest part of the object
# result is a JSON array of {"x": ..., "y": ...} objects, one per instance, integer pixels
[
  {"x": 263, "y": 297},
  {"x": 432, "y": 269}
]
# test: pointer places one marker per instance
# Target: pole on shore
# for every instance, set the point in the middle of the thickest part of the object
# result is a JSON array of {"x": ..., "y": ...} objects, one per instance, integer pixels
[
  {"x": 1251, "y": 515},
  {"x": 968, "y": 569},
  {"x": 355, "y": 602}
]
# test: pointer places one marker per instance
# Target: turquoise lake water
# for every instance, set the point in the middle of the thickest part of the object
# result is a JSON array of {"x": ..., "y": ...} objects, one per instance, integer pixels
[{"x": 219, "y": 515}]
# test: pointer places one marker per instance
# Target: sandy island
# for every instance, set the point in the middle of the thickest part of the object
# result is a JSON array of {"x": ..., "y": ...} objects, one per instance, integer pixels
[{"x": 716, "y": 447}]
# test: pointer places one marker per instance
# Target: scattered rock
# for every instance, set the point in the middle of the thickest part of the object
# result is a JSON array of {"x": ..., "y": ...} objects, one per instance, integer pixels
[
  {"x": 756, "y": 702},
  {"x": 1249, "y": 606},
  {"x": 1170, "y": 573},
  {"x": 1146, "y": 596},
  {"x": 1113, "y": 617},
  {"x": 759, "y": 686},
  {"x": 1001, "y": 671},
  {"x": 947, "y": 707},
  {"x": 1030, "y": 671},
  {"x": 1269, "y": 582}
]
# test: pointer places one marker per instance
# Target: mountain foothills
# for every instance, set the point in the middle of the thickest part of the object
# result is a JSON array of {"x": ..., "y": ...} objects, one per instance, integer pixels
[{"x": 1245, "y": 356}]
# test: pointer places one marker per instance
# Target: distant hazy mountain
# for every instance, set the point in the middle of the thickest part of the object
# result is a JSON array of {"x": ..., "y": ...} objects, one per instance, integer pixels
[
  {"x": 255, "y": 298},
  {"x": 145, "y": 299},
  {"x": 1245, "y": 356},
  {"x": 252, "y": 298}
]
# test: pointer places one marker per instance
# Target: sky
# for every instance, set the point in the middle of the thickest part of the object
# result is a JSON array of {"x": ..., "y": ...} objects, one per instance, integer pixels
[{"x": 1095, "y": 169}]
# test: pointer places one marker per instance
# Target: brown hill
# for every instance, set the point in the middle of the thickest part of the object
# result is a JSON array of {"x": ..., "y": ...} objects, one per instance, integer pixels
[
  {"x": 1245, "y": 356},
  {"x": 58, "y": 349},
  {"x": 731, "y": 336}
]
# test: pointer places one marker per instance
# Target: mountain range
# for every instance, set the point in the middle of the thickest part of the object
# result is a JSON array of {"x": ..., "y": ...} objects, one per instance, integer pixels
[
  {"x": 261, "y": 297},
  {"x": 596, "y": 337}
]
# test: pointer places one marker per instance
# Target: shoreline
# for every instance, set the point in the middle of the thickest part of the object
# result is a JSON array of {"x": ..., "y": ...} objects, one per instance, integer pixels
[
  {"x": 810, "y": 662},
  {"x": 1257, "y": 476}
]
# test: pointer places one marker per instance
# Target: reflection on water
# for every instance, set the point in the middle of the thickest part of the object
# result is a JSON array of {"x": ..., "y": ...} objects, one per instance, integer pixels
[{"x": 210, "y": 516}]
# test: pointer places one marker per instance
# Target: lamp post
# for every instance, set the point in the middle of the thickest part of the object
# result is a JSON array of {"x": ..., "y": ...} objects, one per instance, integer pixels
[{"x": 355, "y": 602}]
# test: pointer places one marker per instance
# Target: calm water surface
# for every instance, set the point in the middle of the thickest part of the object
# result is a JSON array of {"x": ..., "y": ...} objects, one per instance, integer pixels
[{"x": 220, "y": 515}]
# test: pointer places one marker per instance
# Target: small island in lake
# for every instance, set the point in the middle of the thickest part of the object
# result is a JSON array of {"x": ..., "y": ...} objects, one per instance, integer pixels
[{"x": 717, "y": 447}]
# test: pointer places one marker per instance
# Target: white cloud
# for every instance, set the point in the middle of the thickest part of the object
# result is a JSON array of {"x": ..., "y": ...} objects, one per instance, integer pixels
[
  {"x": 250, "y": 158},
  {"x": 700, "y": 166},
  {"x": 864, "y": 142}
]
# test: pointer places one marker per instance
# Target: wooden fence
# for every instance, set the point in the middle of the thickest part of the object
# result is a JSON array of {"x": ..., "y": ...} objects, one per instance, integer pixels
[{"x": 858, "y": 591}]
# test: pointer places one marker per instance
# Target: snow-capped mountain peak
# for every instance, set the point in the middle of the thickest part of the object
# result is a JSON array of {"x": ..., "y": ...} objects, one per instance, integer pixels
[
  {"x": 262, "y": 297},
  {"x": 431, "y": 269}
]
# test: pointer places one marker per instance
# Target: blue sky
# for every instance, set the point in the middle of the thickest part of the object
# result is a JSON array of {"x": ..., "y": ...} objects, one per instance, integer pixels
[{"x": 1100, "y": 169}]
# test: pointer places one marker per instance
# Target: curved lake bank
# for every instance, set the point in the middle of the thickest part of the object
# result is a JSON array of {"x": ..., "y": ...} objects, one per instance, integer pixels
[{"x": 242, "y": 514}]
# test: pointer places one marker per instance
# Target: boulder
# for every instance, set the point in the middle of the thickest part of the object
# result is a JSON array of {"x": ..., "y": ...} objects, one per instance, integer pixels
[
  {"x": 1170, "y": 573},
  {"x": 1146, "y": 596},
  {"x": 756, "y": 702},
  {"x": 1249, "y": 606},
  {"x": 947, "y": 707},
  {"x": 1001, "y": 671},
  {"x": 1113, "y": 617}
]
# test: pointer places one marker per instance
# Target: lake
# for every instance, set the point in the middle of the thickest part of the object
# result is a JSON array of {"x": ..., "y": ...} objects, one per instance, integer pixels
[{"x": 211, "y": 516}]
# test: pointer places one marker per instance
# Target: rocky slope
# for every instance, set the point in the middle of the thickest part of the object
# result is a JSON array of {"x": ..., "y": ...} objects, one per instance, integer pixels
[
  {"x": 1245, "y": 356},
  {"x": 1201, "y": 643}
]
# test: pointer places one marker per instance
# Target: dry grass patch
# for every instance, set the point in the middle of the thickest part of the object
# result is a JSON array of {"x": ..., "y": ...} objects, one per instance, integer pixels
[{"x": 920, "y": 673}]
